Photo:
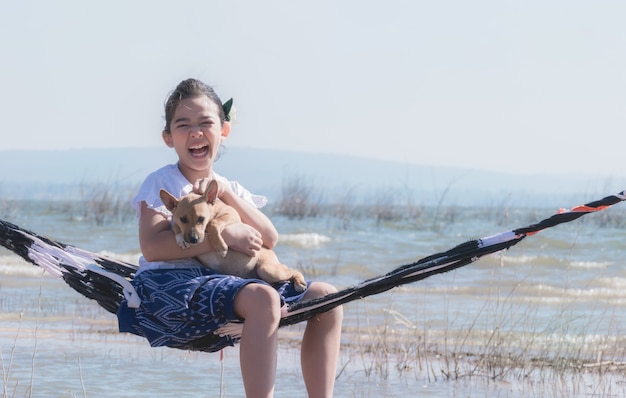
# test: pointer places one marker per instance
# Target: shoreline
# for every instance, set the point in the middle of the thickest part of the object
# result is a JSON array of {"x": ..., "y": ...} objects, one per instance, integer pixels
[
  {"x": 62, "y": 339},
  {"x": 93, "y": 357}
]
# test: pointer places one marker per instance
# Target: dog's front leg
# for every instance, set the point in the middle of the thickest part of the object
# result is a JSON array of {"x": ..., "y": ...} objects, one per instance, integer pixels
[
  {"x": 180, "y": 238},
  {"x": 214, "y": 234}
]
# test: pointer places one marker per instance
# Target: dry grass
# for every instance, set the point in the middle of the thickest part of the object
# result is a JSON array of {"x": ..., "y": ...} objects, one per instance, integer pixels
[
  {"x": 106, "y": 203},
  {"x": 392, "y": 348},
  {"x": 389, "y": 346},
  {"x": 302, "y": 198},
  {"x": 515, "y": 349}
]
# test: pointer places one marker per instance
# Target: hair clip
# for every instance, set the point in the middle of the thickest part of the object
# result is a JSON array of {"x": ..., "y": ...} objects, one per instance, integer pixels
[{"x": 229, "y": 110}]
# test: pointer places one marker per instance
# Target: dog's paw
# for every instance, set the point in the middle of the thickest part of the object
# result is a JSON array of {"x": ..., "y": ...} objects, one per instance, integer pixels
[
  {"x": 299, "y": 283},
  {"x": 181, "y": 242},
  {"x": 218, "y": 244}
]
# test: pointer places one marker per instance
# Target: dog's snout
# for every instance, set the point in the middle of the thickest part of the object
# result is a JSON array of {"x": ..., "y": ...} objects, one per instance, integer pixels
[{"x": 192, "y": 238}]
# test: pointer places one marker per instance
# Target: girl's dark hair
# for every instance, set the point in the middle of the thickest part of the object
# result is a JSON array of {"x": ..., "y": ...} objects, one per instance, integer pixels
[{"x": 190, "y": 88}]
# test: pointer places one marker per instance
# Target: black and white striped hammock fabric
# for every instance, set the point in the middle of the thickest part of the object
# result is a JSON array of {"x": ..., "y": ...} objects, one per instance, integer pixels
[{"x": 107, "y": 280}]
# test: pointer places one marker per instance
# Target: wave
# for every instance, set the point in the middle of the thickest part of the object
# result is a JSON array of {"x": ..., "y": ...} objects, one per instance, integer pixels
[
  {"x": 554, "y": 261},
  {"x": 615, "y": 282},
  {"x": 608, "y": 290},
  {"x": 15, "y": 265},
  {"x": 305, "y": 240},
  {"x": 522, "y": 259},
  {"x": 132, "y": 258},
  {"x": 590, "y": 264},
  {"x": 611, "y": 290}
]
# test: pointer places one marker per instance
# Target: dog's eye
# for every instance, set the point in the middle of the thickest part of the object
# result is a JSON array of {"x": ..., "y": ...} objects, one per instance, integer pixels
[
  {"x": 200, "y": 220},
  {"x": 184, "y": 220}
]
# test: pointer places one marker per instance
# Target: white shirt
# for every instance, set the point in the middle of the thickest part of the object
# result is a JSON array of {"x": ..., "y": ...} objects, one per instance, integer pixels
[{"x": 171, "y": 179}]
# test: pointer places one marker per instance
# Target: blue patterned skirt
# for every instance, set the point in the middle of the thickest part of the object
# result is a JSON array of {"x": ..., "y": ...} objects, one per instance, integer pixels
[{"x": 182, "y": 308}]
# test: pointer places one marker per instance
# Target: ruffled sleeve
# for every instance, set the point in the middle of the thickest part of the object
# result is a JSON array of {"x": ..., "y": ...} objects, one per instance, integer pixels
[
  {"x": 169, "y": 178},
  {"x": 257, "y": 201}
]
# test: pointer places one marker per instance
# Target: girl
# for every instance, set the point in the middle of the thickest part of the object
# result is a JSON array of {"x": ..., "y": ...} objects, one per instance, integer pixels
[{"x": 183, "y": 303}]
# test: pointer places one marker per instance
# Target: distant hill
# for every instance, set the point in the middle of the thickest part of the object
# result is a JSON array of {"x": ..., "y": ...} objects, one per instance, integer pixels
[{"x": 62, "y": 174}]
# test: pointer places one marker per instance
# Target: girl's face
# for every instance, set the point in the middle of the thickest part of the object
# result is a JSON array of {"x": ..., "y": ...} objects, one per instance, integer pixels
[{"x": 196, "y": 133}]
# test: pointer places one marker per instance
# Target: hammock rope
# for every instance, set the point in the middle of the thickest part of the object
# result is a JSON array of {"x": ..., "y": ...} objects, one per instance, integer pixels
[{"x": 107, "y": 280}]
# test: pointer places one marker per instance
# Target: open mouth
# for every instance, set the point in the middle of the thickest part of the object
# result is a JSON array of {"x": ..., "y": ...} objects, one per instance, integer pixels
[{"x": 199, "y": 151}]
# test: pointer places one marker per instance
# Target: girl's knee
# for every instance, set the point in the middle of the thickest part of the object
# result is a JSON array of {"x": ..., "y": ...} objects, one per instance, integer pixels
[
  {"x": 256, "y": 299},
  {"x": 319, "y": 289}
]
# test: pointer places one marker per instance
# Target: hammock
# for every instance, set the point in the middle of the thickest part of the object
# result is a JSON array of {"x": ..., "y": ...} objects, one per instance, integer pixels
[{"x": 107, "y": 280}]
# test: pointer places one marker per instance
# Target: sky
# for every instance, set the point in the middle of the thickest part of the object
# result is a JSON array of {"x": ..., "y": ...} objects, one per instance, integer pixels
[{"x": 515, "y": 86}]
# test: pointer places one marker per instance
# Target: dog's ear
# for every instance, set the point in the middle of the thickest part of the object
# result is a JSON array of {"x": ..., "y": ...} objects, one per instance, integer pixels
[
  {"x": 211, "y": 192},
  {"x": 168, "y": 199}
]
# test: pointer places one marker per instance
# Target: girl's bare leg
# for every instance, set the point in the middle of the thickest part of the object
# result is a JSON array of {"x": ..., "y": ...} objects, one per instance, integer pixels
[
  {"x": 259, "y": 305},
  {"x": 320, "y": 346}
]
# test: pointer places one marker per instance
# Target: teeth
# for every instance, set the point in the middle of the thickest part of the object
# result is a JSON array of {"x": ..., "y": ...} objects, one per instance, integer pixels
[{"x": 198, "y": 150}]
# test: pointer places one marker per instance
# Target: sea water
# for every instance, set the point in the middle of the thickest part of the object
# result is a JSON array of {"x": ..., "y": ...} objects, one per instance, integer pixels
[{"x": 554, "y": 299}]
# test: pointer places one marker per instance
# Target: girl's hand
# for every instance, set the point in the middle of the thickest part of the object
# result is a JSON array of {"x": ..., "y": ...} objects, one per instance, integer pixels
[
  {"x": 201, "y": 185},
  {"x": 243, "y": 238}
]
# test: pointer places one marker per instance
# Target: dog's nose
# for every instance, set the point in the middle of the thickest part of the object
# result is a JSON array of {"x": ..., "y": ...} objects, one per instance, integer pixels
[{"x": 193, "y": 240}]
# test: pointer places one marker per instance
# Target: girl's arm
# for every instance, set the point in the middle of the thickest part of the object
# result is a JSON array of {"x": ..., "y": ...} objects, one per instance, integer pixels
[
  {"x": 240, "y": 236},
  {"x": 253, "y": 217}
]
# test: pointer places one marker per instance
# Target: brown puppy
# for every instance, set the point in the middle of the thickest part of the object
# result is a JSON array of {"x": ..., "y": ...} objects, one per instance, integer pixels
[{"x": 196, "y": 216}]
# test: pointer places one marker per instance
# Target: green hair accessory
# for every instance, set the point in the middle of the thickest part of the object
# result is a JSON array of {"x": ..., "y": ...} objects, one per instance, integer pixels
[{"x": 229, "y": 110}]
